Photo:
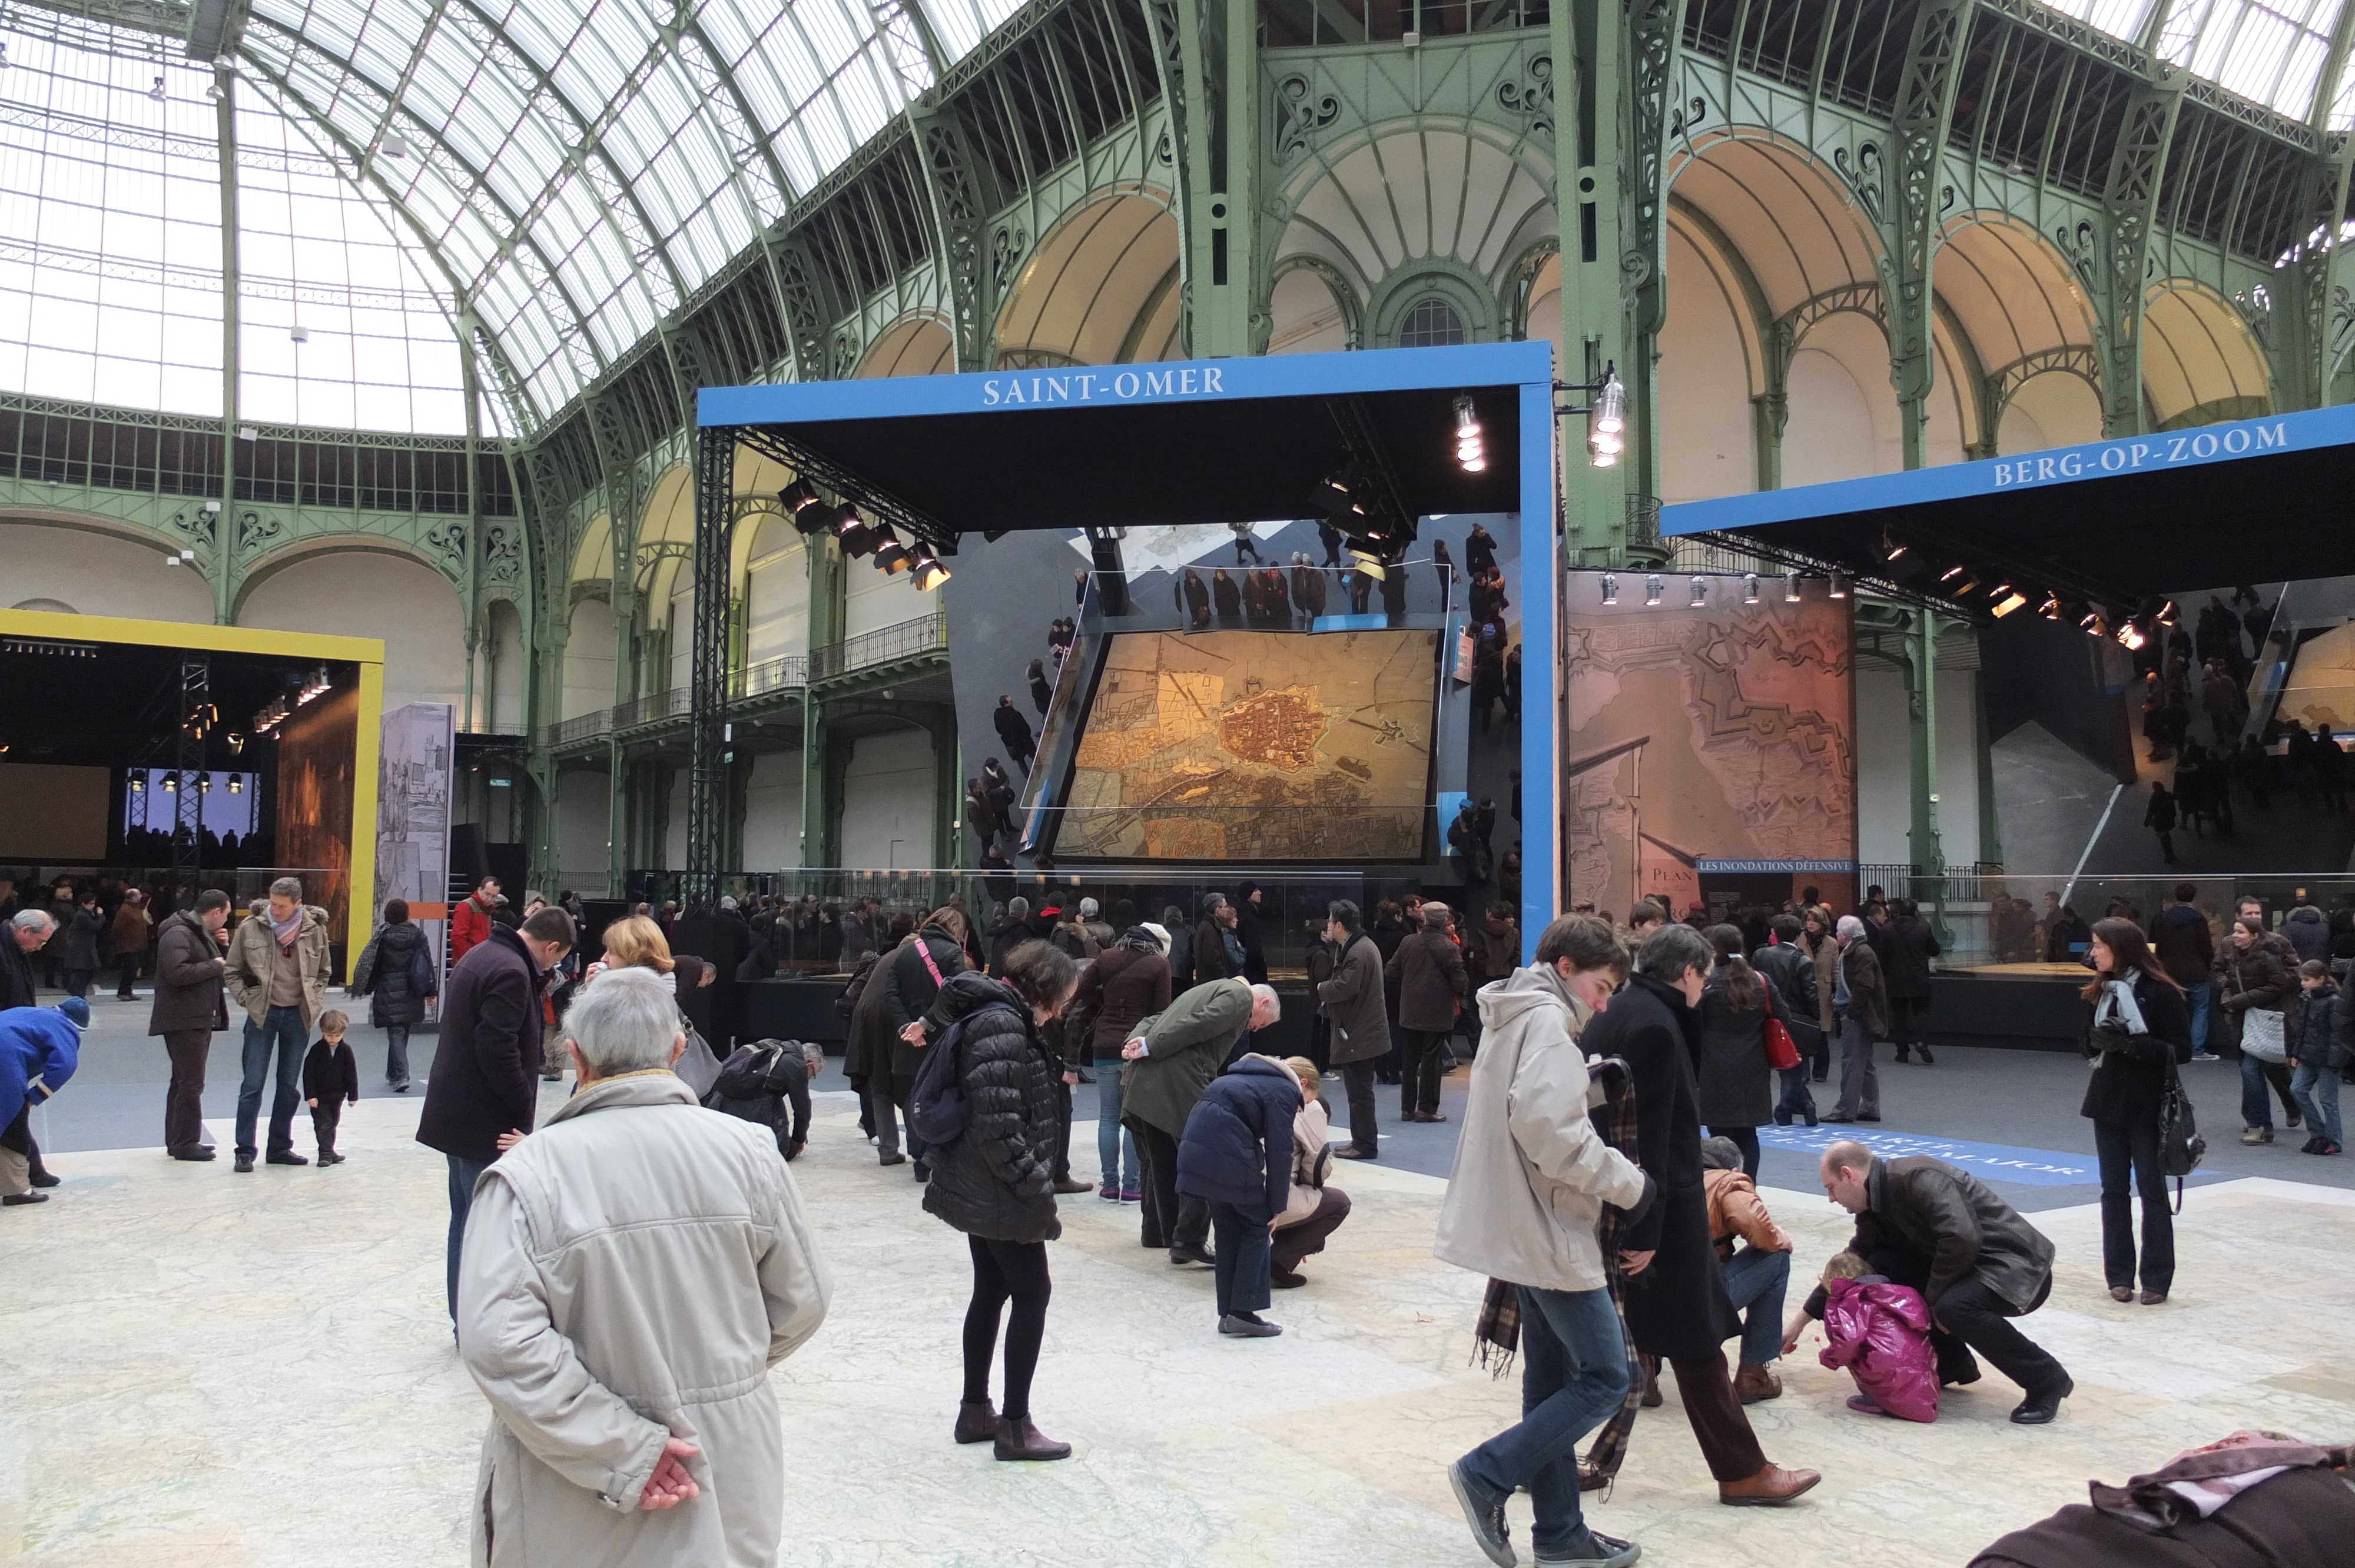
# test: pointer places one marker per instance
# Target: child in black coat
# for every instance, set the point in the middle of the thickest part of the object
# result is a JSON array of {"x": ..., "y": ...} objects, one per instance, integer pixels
[{"x": 330, "y": 1076}]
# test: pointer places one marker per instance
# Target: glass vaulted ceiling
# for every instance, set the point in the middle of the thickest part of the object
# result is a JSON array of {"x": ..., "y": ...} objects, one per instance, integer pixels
[{"x": 564, "y": 175}]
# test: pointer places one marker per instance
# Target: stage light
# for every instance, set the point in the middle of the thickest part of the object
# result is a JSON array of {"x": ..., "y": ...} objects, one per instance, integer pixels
[
  {"x": 1699, "y": 592},
  {"x": 1610, "y": 589},
  {"x": 1468, "y": 448},
  {"x": 1750, "y": 587},
  {"x": 1968, "y": 585},
  {"x": 891, "y": 558},
  {"x": 1606, "y": 438},
  {"x": 138, "y": 785},
  {"x": 1840, "y": 585},
  {"x": 156, "y": 91},
  {"x": 929, "y": 574},
  {"x": 2130, "y": 636},
  {"x": 2050, "y": 608},
  {"x": 852, "y": 534},
  {"x": 1652, "y": 588},
  {"x": 1891, "y": 550},
  {"x": 1950, "y": 574},
  {"x": 1371, "y": 565},
  {"x": 2006, "y": 603},
  {"x": 2166, "y": 616},
  {"x": 171, "y": 783},
  {"x": 204, "y": 783},
  {"x": 236, "y": 784},
  {"x": 1790, "y": 587}
]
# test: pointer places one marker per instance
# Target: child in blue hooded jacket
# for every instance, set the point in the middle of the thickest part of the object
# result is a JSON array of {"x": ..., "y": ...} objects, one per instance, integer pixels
[
  {"x": 1237, "y": 1156},
  {"x": 39, "y": 1048}
]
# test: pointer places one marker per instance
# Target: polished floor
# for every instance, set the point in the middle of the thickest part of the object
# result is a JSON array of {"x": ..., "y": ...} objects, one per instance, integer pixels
[{"x": 202, "y": 1369}]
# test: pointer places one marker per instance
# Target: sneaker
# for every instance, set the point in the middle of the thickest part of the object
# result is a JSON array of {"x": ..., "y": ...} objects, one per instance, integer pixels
[
  {"x": 2312, "y": 1145},
  {"x": 284, "y": 1157},
  {"x": 1131, "y": 1194},
  {"x": 1602, "y": 1552},
  {"x": 1484, "y": 1515},
  {"x": 2330, "y": 1147},
  {"x": 2206, "y": 1057},
  {"x": 1109, "y": 1193},
  {"x": 2257, "y": 1135},
  {"x": 244, "y": 1164}
]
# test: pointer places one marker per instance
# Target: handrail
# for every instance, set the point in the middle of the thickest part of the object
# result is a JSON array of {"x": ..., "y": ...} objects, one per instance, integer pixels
[{"x": 884, "y": 645}]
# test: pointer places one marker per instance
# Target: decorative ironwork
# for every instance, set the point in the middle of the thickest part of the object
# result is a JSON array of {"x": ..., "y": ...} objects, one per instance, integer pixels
[
  {"x": 450, "y": 538},
  {"x": 2129, "y": 216},
  {"x": 1301, "y": 112},
  {"x": 707, "y": 789},
  {"x": 254, "y": 530},
  {"x": 1863, "y": 175}
]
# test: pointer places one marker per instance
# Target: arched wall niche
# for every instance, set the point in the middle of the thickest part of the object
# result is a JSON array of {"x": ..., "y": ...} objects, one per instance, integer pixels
[
  {"x": 98, "y": 571},
  {"x": 1102, "y": 288},
  {"x": 359, "y": 592},
  {"x": 2200, "y": 356},
  {"x": 913, "y": 345}
]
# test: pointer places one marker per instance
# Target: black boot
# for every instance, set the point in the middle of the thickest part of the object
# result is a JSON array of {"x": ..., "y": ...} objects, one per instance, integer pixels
[
  {"x": 1019, "y": 1437},
  {"x": 976, "y": 1421}
]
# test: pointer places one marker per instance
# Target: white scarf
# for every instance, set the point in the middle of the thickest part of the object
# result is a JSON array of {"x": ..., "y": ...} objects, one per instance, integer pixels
[{"x": 2119, "y": 1001}]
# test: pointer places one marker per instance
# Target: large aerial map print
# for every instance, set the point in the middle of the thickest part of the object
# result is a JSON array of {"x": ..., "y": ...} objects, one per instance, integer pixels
[{"x": 1261, "y": 745}]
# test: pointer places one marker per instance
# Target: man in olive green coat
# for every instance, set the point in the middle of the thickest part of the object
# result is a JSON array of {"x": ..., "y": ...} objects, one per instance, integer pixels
[{"x": 1172, "y": 1057}]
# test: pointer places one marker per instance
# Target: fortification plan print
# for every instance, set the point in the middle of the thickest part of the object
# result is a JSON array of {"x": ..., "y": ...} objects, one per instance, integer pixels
[{"x": 1255, "y": 745}]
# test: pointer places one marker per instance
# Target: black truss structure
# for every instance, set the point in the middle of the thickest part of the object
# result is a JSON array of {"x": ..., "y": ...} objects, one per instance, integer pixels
[
  {"x": 878, "y": 504},
  {"x": 188, "y": 797},
  {"x": 707, "y": 783}
]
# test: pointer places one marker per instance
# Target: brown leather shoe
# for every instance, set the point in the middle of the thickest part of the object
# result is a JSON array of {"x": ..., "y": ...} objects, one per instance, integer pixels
[
  {"x": 1770, "y": 1487},
  {"x": 1754, "y": 1383},
  {"x": 976, "y": 1421}
]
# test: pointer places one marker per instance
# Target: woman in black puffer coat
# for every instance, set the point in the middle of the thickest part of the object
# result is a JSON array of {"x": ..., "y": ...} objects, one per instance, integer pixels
[
  {"x": 386, "y": 974},
  {"x": 995, "y": 1181}
]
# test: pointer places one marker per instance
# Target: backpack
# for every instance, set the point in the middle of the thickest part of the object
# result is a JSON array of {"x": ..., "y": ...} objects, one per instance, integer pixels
[
  {"x": 420, "y": 971},
  {"x": 936, "y": 1109}
]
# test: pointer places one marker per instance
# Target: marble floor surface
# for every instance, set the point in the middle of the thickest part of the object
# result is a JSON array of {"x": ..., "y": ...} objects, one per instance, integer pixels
[{"x": 202, "y": 1369}]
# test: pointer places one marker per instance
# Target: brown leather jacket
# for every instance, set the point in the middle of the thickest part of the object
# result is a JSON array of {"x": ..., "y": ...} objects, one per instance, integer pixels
[{"x": 1735, "y": 1210}]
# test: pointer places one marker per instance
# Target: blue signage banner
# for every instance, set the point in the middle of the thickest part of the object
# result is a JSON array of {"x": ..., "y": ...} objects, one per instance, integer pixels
[{"x": 2234, "y": 441}]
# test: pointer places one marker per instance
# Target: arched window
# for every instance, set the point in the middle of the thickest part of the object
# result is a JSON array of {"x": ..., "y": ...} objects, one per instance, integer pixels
[{"x": 1431, "y": 323}]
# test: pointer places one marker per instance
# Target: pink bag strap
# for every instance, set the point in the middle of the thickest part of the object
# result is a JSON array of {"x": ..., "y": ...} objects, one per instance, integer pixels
[{"x": 924, "y": 950}]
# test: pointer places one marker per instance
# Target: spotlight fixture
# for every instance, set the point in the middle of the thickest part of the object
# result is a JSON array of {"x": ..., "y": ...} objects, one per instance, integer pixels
[
  {"x": 236, "y": 743},
  {"x": 1891, "y": 550},
  {"x": 811, "y": 515},
  {"x": 1367, "y": 563},
  {"x": 1790, "y": 587},
  {"x": 156, "y": 91},
  {"x": 1950, "y": 574},
  {"x": 1652, "y": 588},
  {"x": 236, "y": 784},
  {"x": 138, "y": 785},
  {"x": 1968, "y": 585},
  {"x": 2165, "y": 615},
  {"x": 204, "y": 783},
  {"x": 1699, "y": 591},
  {"x": 171, "y": 783},
  {"x": 215, "y": 91},
  {"x": 1840, "y": 585},
  {"x": 1750, "y": 587},
  {"x": 928, "y": 573},
  {"x": 1607, "y": 433},
  {"x": 1468, "y": 448},
  {"x": 2050, "y": 608},
  {"x": 891, "y": 558},
  {"x": 2130, "y": 636},
  {"x": 2007, "y": 600},
  {"x": 852, "y": 534},
  {"x": 1610, "y": 589}
]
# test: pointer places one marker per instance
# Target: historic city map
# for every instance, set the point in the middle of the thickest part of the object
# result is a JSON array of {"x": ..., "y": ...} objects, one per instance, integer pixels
[{"x": 1259, "y": 745}]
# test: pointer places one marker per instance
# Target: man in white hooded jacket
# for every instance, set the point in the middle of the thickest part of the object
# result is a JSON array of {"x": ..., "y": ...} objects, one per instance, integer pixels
[
  {"x": 1531, "y": 1179},
  {"x": 630, "y": 1272}
]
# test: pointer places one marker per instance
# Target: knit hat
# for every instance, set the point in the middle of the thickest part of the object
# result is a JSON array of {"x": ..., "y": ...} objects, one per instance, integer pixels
[
  {"x": 77, "y": 1010},
  {"x": 1160, "y": 933}
]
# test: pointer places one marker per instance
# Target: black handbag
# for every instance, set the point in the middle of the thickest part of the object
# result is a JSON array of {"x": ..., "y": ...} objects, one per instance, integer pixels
[{"x": 2180, "y": 1147}]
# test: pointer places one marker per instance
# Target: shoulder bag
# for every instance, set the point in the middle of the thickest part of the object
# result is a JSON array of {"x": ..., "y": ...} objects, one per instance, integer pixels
[
  {"x": 2180, "y": 1147},
  {"x": 2261, "y": 1034},
  {"x": 1781, "y": 1051}
]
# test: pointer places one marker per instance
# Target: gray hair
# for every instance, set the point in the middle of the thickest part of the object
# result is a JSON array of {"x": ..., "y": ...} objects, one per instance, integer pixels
[
  {"x": 287, "y": 887},
  {"x": 32, "y": 920},
  {"x": 626, "y": 1021},
  {"x": 726, "y": 902},
  {"x": 1672, "y": 950},
  {"x": 1019, "y": 907},
  {"x": 1264, "y": 996},
  {"x": 1088, "y": 908},
  {"x": 1434, "y": 916},
  {"x": 1213, "y": 902}
]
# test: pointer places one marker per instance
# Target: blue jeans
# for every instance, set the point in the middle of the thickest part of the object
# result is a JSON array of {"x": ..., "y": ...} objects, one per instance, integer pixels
[
  {"x": 1115, "y": 1149},
  {"x": 2316, "y": 1089},
  {"x": 2200, "y": 996},
  {"x": 1573, "y": 1377},
  {"x": 396, "y": 1053},
  {"x": 283, "y": 1027},
  {"x": 2256, "y": 1078},
  {"x": 1245, "y": 1254},
  {"x": 1798, "y": 1101},
  {"x": 463, "y": 1174},
  {"x": 1756, "y": 1280}
]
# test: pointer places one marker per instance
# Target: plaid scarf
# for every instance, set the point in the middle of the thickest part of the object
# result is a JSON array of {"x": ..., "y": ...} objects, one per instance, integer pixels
[
  {"x": 1497, "y": 1333},
  {"x": 1609, "y": 1449}
]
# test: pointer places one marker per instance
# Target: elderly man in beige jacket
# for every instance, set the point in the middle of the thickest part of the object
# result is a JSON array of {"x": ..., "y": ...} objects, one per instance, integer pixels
[
  {"x": 630, "y": 1272},
  {"x": 1531, "y": 1179}
]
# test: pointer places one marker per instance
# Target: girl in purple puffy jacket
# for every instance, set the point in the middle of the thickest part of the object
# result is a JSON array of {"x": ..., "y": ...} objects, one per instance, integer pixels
[{"x": 1881, "y": 1333}]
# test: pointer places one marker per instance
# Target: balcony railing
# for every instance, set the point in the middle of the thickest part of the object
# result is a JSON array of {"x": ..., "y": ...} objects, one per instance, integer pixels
[{"x": 885, "y": 645}]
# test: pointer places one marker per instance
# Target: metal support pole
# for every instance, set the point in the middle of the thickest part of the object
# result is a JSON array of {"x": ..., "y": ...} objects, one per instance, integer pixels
[
  {"x": 224, "y": 559},
  {"x": 706, "y": 786},
  {"x": 1921, "y": 734}
]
